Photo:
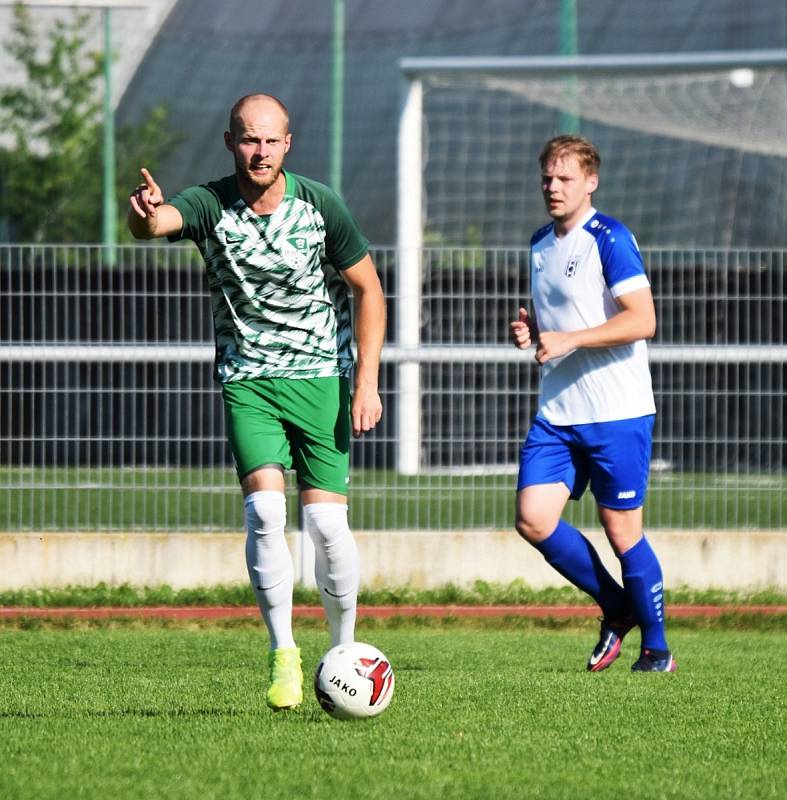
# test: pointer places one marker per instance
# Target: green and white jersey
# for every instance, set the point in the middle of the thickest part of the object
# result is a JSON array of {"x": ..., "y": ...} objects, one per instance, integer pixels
[{"x": 280, "y": 305}]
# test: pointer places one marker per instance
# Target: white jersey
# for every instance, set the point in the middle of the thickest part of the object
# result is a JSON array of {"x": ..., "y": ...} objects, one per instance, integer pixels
[{"x": 575, "y": 280}]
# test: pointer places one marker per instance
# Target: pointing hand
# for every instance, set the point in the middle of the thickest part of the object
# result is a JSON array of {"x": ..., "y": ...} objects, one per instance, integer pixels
[{"x": 147, "y": 196}]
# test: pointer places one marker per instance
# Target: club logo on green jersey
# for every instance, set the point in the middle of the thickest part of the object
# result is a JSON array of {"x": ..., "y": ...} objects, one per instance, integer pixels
[{"x": 296, "y": 250}]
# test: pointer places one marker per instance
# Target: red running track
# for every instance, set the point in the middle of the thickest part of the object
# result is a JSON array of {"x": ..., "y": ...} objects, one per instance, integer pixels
[{"x": 378, "y": 612}]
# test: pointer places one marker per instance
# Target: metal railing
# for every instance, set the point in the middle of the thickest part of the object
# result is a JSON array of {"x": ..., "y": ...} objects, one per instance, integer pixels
[{"x": 109, "y": 419}]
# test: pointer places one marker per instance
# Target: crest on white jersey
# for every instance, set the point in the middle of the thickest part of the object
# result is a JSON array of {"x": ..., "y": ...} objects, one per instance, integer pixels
[{"x": 571, "y": 267}]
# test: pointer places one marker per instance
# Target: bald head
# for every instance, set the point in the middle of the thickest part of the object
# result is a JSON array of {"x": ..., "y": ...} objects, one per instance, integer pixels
[
  {"x": 257, "y": 103},
  {"x": 258, "y": 138}
]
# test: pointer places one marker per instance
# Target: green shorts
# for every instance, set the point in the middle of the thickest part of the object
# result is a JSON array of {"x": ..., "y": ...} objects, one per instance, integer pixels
[{"x": 298, "y": 423}]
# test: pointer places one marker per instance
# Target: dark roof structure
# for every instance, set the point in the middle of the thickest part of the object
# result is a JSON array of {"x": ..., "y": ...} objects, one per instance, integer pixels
[{"x": 207, "y": 54}]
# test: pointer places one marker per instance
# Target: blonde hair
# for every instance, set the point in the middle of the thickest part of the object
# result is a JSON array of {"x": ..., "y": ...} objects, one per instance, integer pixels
[{"x": 569, "y": 145}]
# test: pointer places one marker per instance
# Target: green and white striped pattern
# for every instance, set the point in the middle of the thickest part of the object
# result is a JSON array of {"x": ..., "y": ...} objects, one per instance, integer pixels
[{"x": 280, "y": 305}]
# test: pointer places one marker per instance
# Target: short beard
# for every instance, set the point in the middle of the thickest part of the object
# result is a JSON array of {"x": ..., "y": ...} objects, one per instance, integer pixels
[{"x": 247, "y": 176}]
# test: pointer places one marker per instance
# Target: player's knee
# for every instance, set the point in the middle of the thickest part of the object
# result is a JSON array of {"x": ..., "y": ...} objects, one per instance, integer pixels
[
  {"x": 622, "y": 539},
  {"x": 267, "y": 556},
  {"x": 531, "y": 530},
  {"x": 337, "y": 561},
  {"x": 623, "y": 528},
  {"x": 266, "y": 512},
  {"x": 326, "y": 523}
]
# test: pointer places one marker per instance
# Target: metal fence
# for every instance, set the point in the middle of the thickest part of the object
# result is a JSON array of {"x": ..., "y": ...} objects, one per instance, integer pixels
[{"x": 109, "y": 419}]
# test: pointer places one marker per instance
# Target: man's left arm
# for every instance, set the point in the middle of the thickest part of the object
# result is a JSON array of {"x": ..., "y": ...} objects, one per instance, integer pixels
[
  {"x": 367, "y": 408},
  {"x": 635, "y": 320}
]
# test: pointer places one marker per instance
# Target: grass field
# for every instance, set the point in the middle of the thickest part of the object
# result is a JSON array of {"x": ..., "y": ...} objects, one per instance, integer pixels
[
  {"x": 480, "y": 711},
  {"x": 480, "y": 593},
  {"x": 208, "y": 499}
]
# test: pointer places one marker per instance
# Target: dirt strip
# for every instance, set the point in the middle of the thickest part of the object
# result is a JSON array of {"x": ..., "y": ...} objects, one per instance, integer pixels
[{"x": 378, "y": 612}]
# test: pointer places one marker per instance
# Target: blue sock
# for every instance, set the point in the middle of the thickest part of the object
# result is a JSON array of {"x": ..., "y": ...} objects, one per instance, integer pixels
[
  {"x": 644, "y": 585},
  {"x": 575, "y": 558}
]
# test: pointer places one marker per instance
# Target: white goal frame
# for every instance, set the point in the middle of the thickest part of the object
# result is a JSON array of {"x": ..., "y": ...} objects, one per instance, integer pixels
[{"x": 410, "y": 209}]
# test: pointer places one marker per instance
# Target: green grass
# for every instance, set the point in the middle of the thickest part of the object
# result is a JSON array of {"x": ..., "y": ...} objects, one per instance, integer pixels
[
  {"x": 479, "y": 712},
  {"x": 480, "y": 593},
  {"x": 208, "y": 499}
]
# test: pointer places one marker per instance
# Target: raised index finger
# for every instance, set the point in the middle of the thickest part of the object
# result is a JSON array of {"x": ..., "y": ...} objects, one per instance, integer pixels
[{"x": 148, "y": 179}]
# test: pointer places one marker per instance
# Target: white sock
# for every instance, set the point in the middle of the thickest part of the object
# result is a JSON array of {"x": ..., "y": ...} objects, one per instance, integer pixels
[
  {"x": 270, "y": 564},
  {"x": 337, "y": 567}
]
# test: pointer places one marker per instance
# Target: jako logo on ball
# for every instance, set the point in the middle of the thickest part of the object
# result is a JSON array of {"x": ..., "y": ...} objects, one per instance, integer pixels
[{"x": 354, "y": 681}]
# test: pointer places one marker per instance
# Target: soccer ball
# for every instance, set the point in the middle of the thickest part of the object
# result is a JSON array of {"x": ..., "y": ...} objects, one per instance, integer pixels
[{"x": 354, "y": 681}]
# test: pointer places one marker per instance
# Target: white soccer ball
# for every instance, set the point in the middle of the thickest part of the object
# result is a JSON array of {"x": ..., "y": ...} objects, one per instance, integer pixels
[{"x": 354, "y": 681}]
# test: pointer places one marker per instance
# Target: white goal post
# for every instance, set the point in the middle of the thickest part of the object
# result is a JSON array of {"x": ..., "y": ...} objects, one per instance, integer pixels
[{"x": 521, "y": 75}]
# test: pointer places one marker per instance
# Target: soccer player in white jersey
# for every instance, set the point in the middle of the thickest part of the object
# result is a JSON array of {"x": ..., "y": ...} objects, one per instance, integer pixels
[
  {"x": 280, "y": 252},
  {"x": 593, "y": 313}
]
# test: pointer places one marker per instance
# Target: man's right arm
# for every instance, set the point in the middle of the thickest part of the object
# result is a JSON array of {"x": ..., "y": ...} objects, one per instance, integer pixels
[
  {"x": 523, "y": 330},
  {"x": 149, "y": 217}
]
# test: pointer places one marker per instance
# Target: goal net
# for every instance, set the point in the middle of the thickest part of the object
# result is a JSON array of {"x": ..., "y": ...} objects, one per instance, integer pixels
[
  {"x": 694, "y": 160},
  {"x": 693, "y": 147}
]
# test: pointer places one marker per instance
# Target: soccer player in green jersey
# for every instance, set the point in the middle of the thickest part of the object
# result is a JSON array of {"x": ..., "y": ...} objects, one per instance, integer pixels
[{"x": 280, "y": 252}]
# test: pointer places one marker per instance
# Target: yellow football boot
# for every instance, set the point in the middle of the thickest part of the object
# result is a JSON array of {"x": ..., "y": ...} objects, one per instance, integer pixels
[{"x": 286, "y": 689}]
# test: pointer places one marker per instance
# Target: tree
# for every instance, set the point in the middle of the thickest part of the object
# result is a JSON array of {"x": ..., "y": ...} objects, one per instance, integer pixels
[{"x": 51, "y": 169}]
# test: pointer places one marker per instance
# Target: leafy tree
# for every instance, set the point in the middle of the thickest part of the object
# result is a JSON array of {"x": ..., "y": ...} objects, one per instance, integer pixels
[{"x": 51, "y": 154}]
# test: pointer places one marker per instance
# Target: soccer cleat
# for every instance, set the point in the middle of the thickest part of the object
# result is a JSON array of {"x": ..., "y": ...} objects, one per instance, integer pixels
[
  {"x": 654, "y": 661},
  {"x": 608, "y": 647},
  {"x": 286, "y": 689}
]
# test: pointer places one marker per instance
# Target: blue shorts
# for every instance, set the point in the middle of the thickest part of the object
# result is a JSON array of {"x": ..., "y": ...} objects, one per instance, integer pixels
[{"x": 613, "y": 456}]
